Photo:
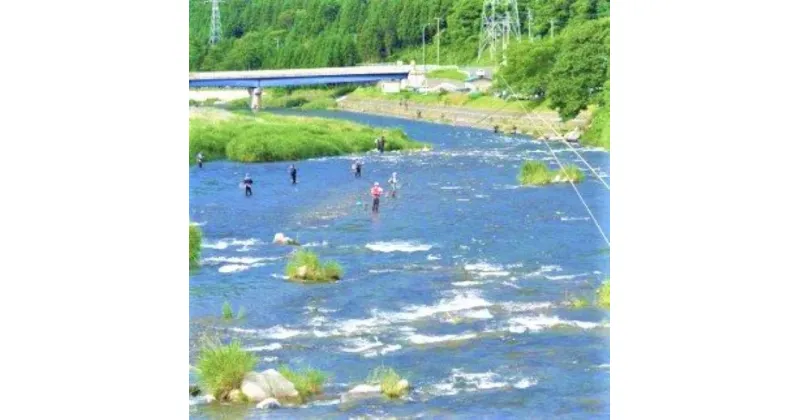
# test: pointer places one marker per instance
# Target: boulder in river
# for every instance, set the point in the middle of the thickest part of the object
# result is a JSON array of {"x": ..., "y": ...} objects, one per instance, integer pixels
[
  {"x": 280, "y": 387},
  {"x": 360, "y": 392},
  {"x": 269, "y": 403},
  {"x": 255, "y": 387}
]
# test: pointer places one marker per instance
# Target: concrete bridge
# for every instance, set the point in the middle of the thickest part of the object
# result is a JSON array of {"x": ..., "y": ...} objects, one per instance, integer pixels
[{"x": 255, "y": 80}]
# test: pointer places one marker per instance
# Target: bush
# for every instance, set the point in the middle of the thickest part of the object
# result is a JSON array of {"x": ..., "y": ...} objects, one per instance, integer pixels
[
  {"x": 343, "y": 90},
  {"x": 307, "y": 382},
  {"x": 295, "y": 102},
  {"x": 535, "y": 173},
  {"x": 320, "y": 103},
  {"x": 388, "y": 379},
  {"x": 571, "y": 172},
  {"x": 269, "y": 138},
  {"x": 599, "y": 132},
  {"x": 305, "y": 266},
  {"x": 195, "y": 238},
  {"x": 604, "y": 295},
  {"x": 221, "y": 368},
  {"x": 241, "y": 103},
  {"x": 193, "y": 102},
  {"x": 538, "y": 173}
]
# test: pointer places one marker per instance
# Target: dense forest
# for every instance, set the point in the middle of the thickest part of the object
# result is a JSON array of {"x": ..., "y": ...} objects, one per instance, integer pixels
[{"x": 263, "y": 34}]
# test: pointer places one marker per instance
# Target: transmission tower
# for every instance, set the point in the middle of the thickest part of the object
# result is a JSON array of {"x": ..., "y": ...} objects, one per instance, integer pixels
[
  {"x": 216, "y": 26},
  {"x": 499, "y": 20}
]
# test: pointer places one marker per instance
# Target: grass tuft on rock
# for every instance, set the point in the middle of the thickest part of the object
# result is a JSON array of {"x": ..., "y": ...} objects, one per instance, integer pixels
[
  {"x": 539, "y": 173},
  {"x": 389, "y": 380},
  {"x": 307, "y": 382},
  {"x": 603, "y": 296},
  {"x": 195, "y": 238},
  {"x": 221, "y": 368},
  {"x": 305, "y": 266}
]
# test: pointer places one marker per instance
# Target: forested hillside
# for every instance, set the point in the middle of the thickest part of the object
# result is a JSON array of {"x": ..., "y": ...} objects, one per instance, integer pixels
[{"x": 263, "y": 34}]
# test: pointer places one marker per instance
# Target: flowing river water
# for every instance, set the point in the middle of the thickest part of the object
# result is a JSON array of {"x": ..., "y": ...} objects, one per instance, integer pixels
[{"x": 458, "y": 283}]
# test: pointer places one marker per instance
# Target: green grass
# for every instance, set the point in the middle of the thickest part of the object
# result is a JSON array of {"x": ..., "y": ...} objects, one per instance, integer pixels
[
  {"x": 599, "y": 132},
  {"x": 315, "y": 271},
  {"x": 320, "y": 103},
  {"x": 267, "y": 137},
  {"x": 603, "y": 295},
  {"x": 571, "y": 172},
  {"x": 388, "y": 379},
  {"x": 538, "y": 173},
  {"x": 195, "y": 238},
  {"x": 227, "y": 311},
  {"x": 467, "y": 100},
  {"x": 307, "y": 382},
  {"x": 221, "y": 368},
  {"x": 451, "y": 74},
  {"x": 535, "y": 173}
]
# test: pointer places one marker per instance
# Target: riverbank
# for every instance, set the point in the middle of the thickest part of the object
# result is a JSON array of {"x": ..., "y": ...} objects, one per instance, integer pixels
[
  {"x": 456, "y": 109},
  {"x": 264, "y": 137}
]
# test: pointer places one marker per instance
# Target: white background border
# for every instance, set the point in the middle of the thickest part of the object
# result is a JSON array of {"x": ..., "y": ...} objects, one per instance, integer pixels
[{"x": 704, "y": 209}]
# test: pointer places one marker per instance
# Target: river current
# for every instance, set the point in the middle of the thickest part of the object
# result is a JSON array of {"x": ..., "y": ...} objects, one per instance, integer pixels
[{"x": 458, "y": 283}]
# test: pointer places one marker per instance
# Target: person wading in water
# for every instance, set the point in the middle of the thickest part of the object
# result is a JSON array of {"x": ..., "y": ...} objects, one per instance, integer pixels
[
  {"x": 376, "y": 192},
  {"x": 380, "y": 143},
  {"x": 393, "y": 184},
  {"x": 357, "y": 168},
  {"x": 293, "y": 174},
  {"x": 248, "y": 182},
  {"x": 199, "y": 159}
]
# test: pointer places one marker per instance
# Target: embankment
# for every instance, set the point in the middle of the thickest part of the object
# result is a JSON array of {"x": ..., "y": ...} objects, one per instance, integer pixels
[{"x": 537, "y": 123}]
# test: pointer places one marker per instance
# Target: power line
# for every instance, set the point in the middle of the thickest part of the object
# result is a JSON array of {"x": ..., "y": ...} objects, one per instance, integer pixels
[
  {"x": 580, "y": 197},
  {"x": 599, "y": 178}
]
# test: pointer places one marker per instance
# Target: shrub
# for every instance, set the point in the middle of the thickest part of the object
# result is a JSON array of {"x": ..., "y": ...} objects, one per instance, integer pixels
[
  {"x": 210, "y": 101},
  {"x": 599, "y": 132},
  {"x": 604, "y": 295},
  {"x": 221, "y": 368},
  {"x": 296, "y": 102},
  {"x": 571, "y": 172},
  {"x": 195, "y": 237},
  {"x": 535, "y": 173},
  {"x": 241, "y": 103},
  {"x": 388, "y": 379},
  {"x": 343, "y": 90},
  {"x": 320, "y": 103},
  {"x": 227, "y": 311},
  {"x": 307, "y": 382},
  {"x": 538, "y": 173},
  {"x": 193, "y": 102},
  {"x": 305, "y": 266}
]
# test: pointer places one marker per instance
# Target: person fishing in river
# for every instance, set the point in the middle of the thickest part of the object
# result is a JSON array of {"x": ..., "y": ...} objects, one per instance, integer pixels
[
  {"x": 393, "y": 184},
  {"x": 293, "y": 174},
  {"x": 380, "y": 143},
  {"x": 376, "y": 193},
  {"x": 199, "y": 159},
  {"x": 357, "y": 168},
  {"x": 247, "y": 182}
]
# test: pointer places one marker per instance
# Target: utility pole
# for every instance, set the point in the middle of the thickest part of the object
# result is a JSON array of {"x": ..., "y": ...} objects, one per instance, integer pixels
[
  {"x": 423, "y": 48},
  {"x": 552, "y": 25},
  {"x": 438, "y": 39},
  {"x": 216, "y": 25}
]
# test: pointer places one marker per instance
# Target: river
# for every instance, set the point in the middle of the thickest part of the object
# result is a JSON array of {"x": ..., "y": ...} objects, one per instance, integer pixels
[{"x": 458, "y": 283}]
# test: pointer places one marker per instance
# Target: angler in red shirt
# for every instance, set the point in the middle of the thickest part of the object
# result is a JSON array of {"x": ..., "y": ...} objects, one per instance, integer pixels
[{"x": 376, "y": 192}]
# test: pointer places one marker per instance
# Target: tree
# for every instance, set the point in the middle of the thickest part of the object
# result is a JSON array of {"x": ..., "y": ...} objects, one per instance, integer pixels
[
  {"x": 581, "y": 68},
  {"x": 529, "y": 65}
]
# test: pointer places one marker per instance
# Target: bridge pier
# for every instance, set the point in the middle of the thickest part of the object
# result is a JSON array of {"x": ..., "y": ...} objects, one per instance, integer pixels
[{"x": 255, "y": 98}]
